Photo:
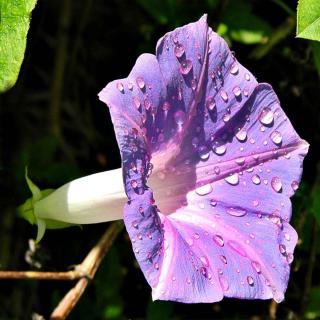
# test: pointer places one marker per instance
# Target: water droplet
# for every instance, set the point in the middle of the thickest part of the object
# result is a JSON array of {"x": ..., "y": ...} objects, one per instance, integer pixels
[
  {"x": 289, "y": 258},
  {"x": 210, "y": 103},
  {"x": 193, "y": 84},
  {"x": 282, "y": 249},
  {"x": 266, "y": 116},
  {"x": 185, "y": 67},
  {"x": 130, "y": 86},
  {"x": 213, "y": 203},
  {"x": 233, "y": 179},
  {"x": 247, "y": 76},
  {"x": 223, "y": 95},
  {"x": 147, "y": 103},
  {"x": 256, "y": 266},
  {"x": 204, "y": 271},
  {"x": 140, "y": 82},
  {"x": 250, "y": 281},
  {"x": 216, "y": 170},
  {"x": 255, "y": 203},
  {"x": 136, "y": 102},
  {"x": 134, "y": 184},
  {"x": 218, "y": 240},
  {"x": 276, "y": 137},
  {"x": 204, "y": 153},
  {"x": 156, "y": 266},
  {"x": 256, "y": 179},
  {"x": 240, "y": 161},
  {"x": 120, "y": 87},
  {"x": 236, "y": 212},
  {"x": 234, "y": 69},
  {"x": 276, "y": 184},
  {"x": 205, "y": 261},
  {"x": 226, "y": 117},
  {"x": 188, "y": 280},
  {"x": 190, "y": 242},
  {"x": 203, "y": 190},
  {"x": 219, "y": 150},
  {"x": 223, "y": 259},
  {"x": 179, "y": 50},
  {"x": 236, "y": 91},
  {"x": 294, "y": 185},
  {"x": 179, "y": 117},
  {"x": 196, "y": 235},
  {"x": 287, "y": 236},
  {"x": 241, "y": 135},
  {"x": 166, "y": 106}
]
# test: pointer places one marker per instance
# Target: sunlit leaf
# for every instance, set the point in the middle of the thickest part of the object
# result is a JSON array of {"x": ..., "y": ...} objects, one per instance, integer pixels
[
  {"x": 308, "y": 16},
  {"x": 14, "y": 25},
  {"x": 243, "y": 25}
]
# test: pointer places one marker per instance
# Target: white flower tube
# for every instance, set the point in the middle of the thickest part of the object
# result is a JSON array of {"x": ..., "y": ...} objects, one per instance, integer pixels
[{"x": 96, "y": 198}]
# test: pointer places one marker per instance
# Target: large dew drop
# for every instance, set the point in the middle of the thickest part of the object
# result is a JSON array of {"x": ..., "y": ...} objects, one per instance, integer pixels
[
  {"x": 233, "y": 179},
  {"x": 204, "y": 190},
  {"x": 140, "y": 82},
  {"x": 218, "y": 240},
  {"x": 276, "y": 137},
  {"x": 236, "y": 91},
  {"x": 224, "y": 95},
  {"x": 256, "y": 179},
  {"x": 276, "y": 184},
  {"x": 219, "y": 150},
  {"x": 234, "y": 69},
  {"x": 266, "y": 116},
  {"x": 236, "y": 212},
  {"x": 185, "y": 67},
  {"x": 179, "y": 50},
  {"x": 241, "y": 135}
]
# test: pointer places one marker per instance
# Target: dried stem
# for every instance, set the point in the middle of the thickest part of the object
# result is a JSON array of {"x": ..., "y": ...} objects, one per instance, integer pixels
[
  {"x": 88, "y": 268},
  {"x": 273, "y": 310},
  {"x": 38, "y": 275},
  {"x": 83, "y": 272}
]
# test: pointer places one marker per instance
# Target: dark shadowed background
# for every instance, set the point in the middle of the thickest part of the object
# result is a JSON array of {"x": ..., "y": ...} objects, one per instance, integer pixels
[{"x": 52, "y": 121}]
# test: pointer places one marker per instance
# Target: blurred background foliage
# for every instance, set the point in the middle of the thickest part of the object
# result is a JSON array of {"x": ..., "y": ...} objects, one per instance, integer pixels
[{"x": 52, "y": 121}]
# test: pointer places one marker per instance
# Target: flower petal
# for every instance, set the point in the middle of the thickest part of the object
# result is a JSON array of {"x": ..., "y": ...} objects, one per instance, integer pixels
[{"x": 222, "y": 160}]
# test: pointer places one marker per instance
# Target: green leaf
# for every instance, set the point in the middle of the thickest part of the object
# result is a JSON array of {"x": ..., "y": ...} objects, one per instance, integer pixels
[
  {"x": 315, "y": 204},
  {"x": 316, "y": 54},
  {"x": 308, "y": 16},
  {"x": 313, "y": 310},
  {"x": 158, "y": 310},
  {"x": 243, "y": 25},
  {"x": 14, "y": 25}
]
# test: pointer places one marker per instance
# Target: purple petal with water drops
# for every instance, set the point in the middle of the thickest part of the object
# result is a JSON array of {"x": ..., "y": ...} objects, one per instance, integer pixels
[{"x": 210, "y": 162}]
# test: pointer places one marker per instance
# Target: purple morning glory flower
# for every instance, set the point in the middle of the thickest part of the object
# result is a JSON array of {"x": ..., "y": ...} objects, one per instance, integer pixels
[{"x": 209, "y": 162}]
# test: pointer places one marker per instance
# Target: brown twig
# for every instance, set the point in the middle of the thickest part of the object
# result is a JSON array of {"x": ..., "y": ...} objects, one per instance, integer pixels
[
  {"x": 40, "y": 275},
  {"x": 88, "y": 268},
  {"x": 83, "y": 272},
  {"x": 273, "y": 310}
]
